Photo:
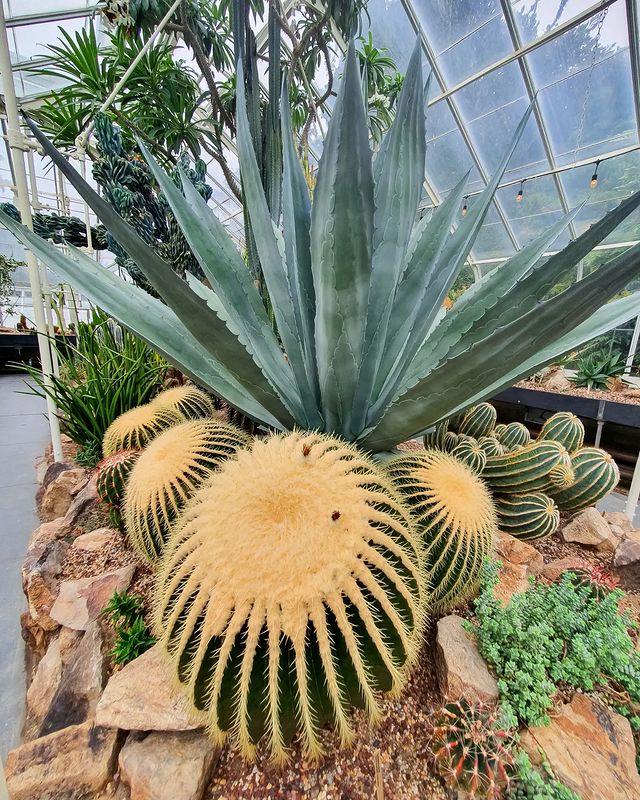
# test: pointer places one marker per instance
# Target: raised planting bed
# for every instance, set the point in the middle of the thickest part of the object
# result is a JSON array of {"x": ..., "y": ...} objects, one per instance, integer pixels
[{"x": 23, "y": 347}]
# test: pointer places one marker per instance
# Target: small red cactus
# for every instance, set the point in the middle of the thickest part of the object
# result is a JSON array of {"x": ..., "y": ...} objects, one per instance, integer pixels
[
  {"x": 598, "y": 579},
  {"x": 113, "y": 472},
  {"x": 471, "y": 749}
]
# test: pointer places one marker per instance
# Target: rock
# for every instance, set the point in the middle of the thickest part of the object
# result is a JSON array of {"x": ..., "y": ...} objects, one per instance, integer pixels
[
  {"x": 591, "y": 529},
  {"x": 58, "y": 495},
  {"x": 81, "y": 684},
  {"x": 558, "y": 382},
  {"x": 167, "y": 766},
  {"x": 589, "y": 748},
  {"x": 51, "y": 473},
  {"x": 81, "y": 502},
  {"x": 95, "y": 540},
  {"x": 45, "y": 683},
  {"x": 71, "y": 764},
  {"x": 620, "y": 519},
  {"x": 627, "y": 553},
  {"x": 508, "y": 548},
  {"x": 143, "y": 696},
  {"x": 40, "y": 571},
  {"x": 80, "y": 602},
  {"x": 512, "y": 578},
  {"x": 33, "y": 634},
  {"x": 48, "y": 531},
  {"x": 460, "y": 668},
  {"x": 617, "y": 531},
  {"x": 69, "y": 449},
  {"x": 554, "y": 569}
]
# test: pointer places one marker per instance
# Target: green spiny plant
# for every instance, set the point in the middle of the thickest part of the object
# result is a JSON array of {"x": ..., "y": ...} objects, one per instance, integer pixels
[
  {"x": 434, "y": 440},
  {"x": 132, "y": 640},
  {"x": 472, "y": 749},
  {"x": 189, "y": 401},
  {"x": 356, "y": 284},
  {"x": 292, "y": 589},
  {"x": 453, "y": 512},
  {"x": 513, "y": 436},
  {"x": 113, "y": 473},
  {"x": 595, "y": 475},
  {"x": 449, "y": 441},
  {"x": 536, "y": 467},
  {"x": 123, "y": 608},
  {"x": 595, "y": 371},
  {"x": 597, "y": 579},
  {"x": 566, "y": 428},
  {"x": 167, "y": 474},
  {"x": 470, "y": 452},
  {"x": 134, "y": 429},
  {"x": 478, "y": 421},
  {"x": 89, "y": 456},
  {"x": 527, "y": 516},
  {"x": 491, "y": 446}
]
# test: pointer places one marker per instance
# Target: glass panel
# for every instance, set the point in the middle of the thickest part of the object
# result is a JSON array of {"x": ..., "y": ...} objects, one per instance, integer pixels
[
  {"x": 20, "y": 8},
  {"x": 473, "y": 53},
  {"x": 493, "y": 240},
  {"x": 447, "y": 161},
  {"x": 492, "y": 91},
  {"x": 446, "y": 22},
  {"x": 391, "y": 28},
  {"x": 536, "y": 17},
  {"x": 539, "y": 208},
  {"x": 31, "y": 40}
]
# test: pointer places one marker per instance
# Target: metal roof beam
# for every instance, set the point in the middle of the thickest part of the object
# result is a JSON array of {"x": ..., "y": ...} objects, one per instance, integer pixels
[
  {"x": 50, "y": 16},
  {"x": 633, "y": 24}
]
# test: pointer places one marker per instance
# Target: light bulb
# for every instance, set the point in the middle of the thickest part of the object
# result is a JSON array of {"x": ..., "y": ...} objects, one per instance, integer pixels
[
  {"x": 519, "y": 197},
  {"x": 594, "y": 180},
  {"x": 464, "y": 209}
]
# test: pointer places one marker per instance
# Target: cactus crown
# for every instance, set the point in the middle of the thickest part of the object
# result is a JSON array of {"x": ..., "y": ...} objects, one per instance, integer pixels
[
  {"x": 291, "y": 590},
  {"x": 189, "y": 401},
  {"x": 472, "y": 749},
  {"x": 167, "y": 473},
  {"x": 453, "y": 510},
  {"x": 134, "y": 429}
]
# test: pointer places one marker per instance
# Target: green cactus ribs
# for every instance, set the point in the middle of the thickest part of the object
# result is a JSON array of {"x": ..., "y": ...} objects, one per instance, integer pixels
[
  {"x": 527, "y": 516},
  {"x": 112, "y": 475},
  {"x": 596, "y": 474},
  {"x": 536, "y": 467}
]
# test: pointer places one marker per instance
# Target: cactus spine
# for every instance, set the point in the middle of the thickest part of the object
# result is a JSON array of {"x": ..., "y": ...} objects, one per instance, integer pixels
[
  {"x": 189, "y": 401},
  {"x": 112, "y": 475},
  {"x": 527, "y": 516},
  {"x": 528, "y": 469},
  {"x": 595, "y": 475},
  {"x": 597, "y": 579},
  {"x": 167, "y": 474},
  {"x": 565, "y": 428},
  {"x": 292, "y": 590},
  {"x": 454, "y": 513},
  {"x": 514, "y": 436},
  {"x": 478, "y": 421},
  {"x": 134, "y": 429}
]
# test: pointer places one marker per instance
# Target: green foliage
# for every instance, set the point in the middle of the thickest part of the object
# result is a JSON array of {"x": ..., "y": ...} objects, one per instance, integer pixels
[
  {"x": 529, "y": 784},
  {"x": 106, "y": 373},
  {"x": 550, "y": 634},
  {"x": 7, "y": 268},
  {"x": 596, "y": 370},
  {"x": 132, "y": 640},
  {"x": 61, "y": 228},
  {"x": 89, "y": 456},
  {"x": 383, "y": 84},
  {"x": 123, "y": 608}
]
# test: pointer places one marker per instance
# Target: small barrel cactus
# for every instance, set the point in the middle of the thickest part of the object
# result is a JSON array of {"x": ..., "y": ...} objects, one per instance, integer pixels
[
  {"x": 478, "y": 420},
  {"x": 292, "y": 589},
  {"x": 598, "y": 580},
  {"x": 491, "y": 446},
  {"x": 449, "y": 441},
  {"x": 472, "y": 750},
  {"x": 189, "y": 401},
  {"x": 566, "y": 428},
  {"x": 167, "y": 474},
  {"x": 112, "y": 475},
  {"x": 453, "y": 511},
  {"x": 470, "y": 452},
  {"x": 527, "y": 516},
  {"x": 514, "y": 436},
  {"x": 435, "y": 439},
  {"x": 533, "y": 468},
  {"x": 134, "y": 429},
  {"x": 595, "y": 475}
]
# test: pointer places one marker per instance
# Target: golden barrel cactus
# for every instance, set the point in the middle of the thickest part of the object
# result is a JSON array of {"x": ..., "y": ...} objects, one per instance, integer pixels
[
  {"x": 189, "y": 401},
  {"x": 454, "y": 512},
  {"x": 134, "y": 429},
  {"x": 292, "y": 589},
  {"x": 167, "y": 474}
]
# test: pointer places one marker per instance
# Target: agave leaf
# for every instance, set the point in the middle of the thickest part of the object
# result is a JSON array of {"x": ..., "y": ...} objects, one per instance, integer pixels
[
  {"x": 450, "y": 261},
  {"x": 271, "y": 253},
  {"x": 296, "y": 217},
  {"x": 244, "y": 311},
  {"x": 485, "y": 362},
  {"x": 205, "y": 326},
  {"x": 145, "y": 316},
  {"x": 341, "y": 249},
  {"x": 398, "y": 175}
]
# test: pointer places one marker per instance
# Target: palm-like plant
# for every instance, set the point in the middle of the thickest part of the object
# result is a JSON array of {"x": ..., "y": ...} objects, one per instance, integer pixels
[{"x": 357, "y": 286}]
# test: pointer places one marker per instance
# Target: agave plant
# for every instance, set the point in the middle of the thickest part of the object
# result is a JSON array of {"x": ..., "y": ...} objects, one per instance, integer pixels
[{"x": 356, "y": 284}]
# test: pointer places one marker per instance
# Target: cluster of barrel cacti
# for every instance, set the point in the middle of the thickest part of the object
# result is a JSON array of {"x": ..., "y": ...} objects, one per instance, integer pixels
[{"x": 531, "y": 481}]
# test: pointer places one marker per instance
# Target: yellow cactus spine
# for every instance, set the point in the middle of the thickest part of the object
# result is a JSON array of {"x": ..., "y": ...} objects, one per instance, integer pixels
[
  {"x": 189, "y": 401},
  {"x": 292, "y": 589},
  {"x": 454, "y": 513},
  {"x": 134, "y": 429},
  {"x": 167, "y": 473}
]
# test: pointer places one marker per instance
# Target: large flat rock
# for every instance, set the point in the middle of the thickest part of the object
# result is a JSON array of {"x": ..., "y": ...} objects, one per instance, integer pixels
[
  {"x": 80, "y": 602},
  {"x": 460, "y": 668}
]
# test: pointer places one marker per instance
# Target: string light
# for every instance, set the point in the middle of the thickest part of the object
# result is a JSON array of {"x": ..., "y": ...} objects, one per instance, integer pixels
[
  {"x": 464, "y": 207},
  {"x": 520, "y": 194},
  {"x": 594, "y": 177}
]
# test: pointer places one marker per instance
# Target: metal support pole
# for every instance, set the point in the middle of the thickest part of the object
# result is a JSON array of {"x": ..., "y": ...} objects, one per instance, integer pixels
[
  {"x": 635, "y": 337},
  {"x": 17, "y": 150},
  {"x": 634, "y": 492}
]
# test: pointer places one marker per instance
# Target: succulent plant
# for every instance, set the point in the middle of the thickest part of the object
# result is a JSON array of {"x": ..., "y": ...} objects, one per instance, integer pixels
[
  {"x": 112, "y": 475},
  {"x": 189, "y": 401},
  {"x": 566, "y": 428},
  {"x": 61, "y": 228},
  {"x": 291, "y": 590},
  {"x": 169, "y": 471},
  {"x": 134, "y": 429},
  {"x": 453, "y": 512},
  {"x": 470, "y": 452},
  {"x": 434, "y": 440},
  {"x": 597, "y": 579},
  {"x": 595, "y": 475},
  {"x": 471, "y": 748},
  {"x": 491, "y": 446},
  {"x": 355, "y": 282},
  {"x": 449, "y": 441},
  {"x": 527, "y": 516},
  {"x": 513, "y": 436},
  {"x": 478, "y": 421},
  {"x": 537, "y": 467}
]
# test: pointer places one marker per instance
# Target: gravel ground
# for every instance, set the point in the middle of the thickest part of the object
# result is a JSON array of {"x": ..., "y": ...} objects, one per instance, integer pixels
[{"x": 627, "y": 395}]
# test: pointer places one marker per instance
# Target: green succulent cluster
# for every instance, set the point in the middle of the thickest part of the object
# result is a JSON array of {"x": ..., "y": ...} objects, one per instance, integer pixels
[
  {"x": 530, "y": 784},
  {"x": 61, "y": 228},
  {"x": 124, "y": 613}
]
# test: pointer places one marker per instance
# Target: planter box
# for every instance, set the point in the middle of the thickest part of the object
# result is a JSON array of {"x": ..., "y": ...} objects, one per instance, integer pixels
[{"x": 23, "y": 348}]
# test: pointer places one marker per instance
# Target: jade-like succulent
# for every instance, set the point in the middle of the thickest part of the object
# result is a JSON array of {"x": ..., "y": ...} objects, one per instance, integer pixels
[{"x": 292, "y": 590}]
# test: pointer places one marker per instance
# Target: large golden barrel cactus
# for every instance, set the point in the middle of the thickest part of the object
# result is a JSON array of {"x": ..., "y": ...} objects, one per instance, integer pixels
[
  {"x": 134, "y": 429},
  {"x": 453, "y": 510},
  {"x": 292, "y": 589},
  {"x": 167, "y": 473},
  {"x": 189, "y": 401}
]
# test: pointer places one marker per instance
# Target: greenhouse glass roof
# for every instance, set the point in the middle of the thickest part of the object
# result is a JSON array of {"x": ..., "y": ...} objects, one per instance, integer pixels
[{"x": 578, "y": 60}]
